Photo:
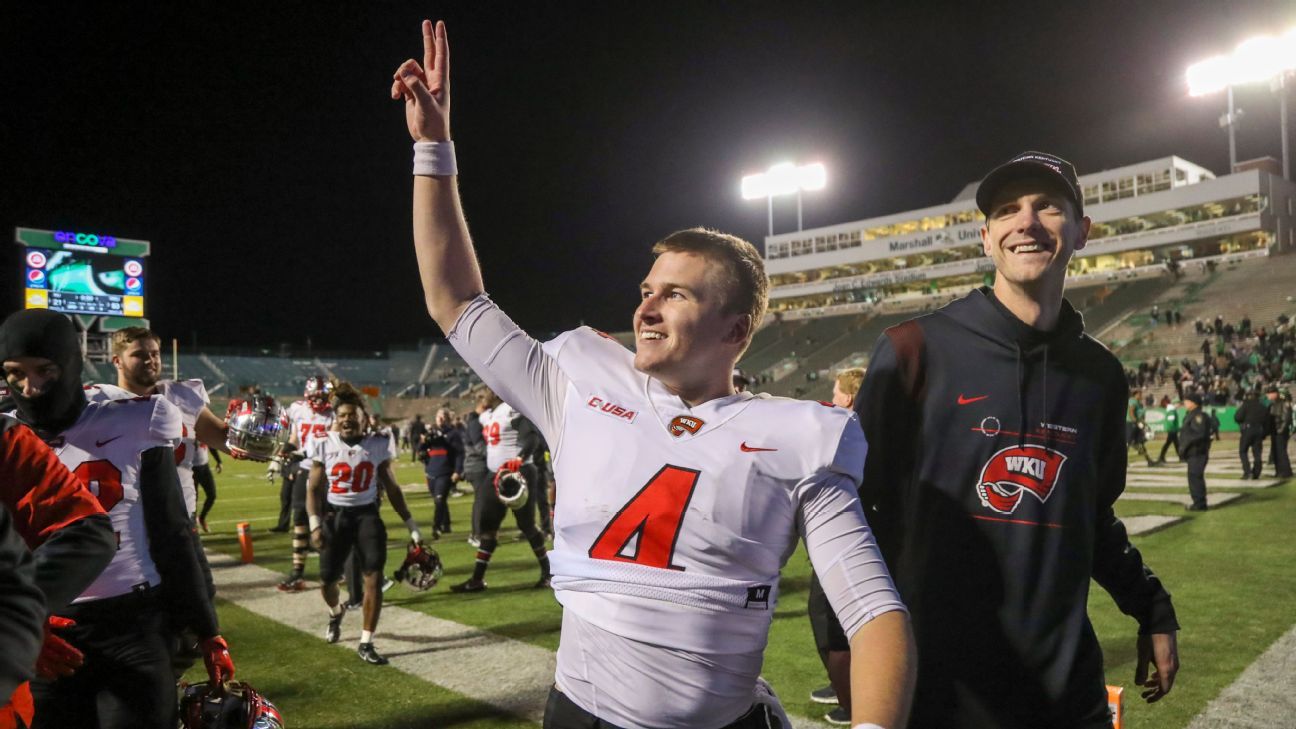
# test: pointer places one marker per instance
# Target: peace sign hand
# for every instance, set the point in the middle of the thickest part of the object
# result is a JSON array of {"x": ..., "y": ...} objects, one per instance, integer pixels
[{"x": 426, "y": 88}]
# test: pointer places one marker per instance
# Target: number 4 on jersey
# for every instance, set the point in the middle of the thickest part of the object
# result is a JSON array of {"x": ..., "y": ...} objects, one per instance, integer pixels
[{"x": 653, "y": 516}]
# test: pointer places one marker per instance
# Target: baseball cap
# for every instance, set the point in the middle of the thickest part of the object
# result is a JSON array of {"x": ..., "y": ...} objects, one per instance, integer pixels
[{"x": 1030, "y": 165}]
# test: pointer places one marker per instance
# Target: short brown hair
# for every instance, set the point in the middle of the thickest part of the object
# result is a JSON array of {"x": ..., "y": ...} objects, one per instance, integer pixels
[
  {"x": 849, "y": 380},
  {"x": 744, "y": 279},
  {"x": 122, "y": 339}
]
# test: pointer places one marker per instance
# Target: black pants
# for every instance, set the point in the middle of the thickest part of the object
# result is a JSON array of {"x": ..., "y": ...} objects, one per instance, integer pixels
[
  {"x": 543, "y": 507},
  {"x": 1282, "y": 463},
  {"x": 126, "y": 681},
  {"x": 205, "y": 480},
  {"x": 482, "y": 489},
  {"x": 285, "y": 496},
  {"x": 439, "y": 487},
  {"x": 1197, "y": 478},
  {"x": 1252, "y": 442},
  {"x": 357, "y": 533},
  {"x": 1171, "y": 439},
  {"x": 828, "y": 633},
  {"x": 562, "y": 713},
  {"x": 299, "y": 497}
]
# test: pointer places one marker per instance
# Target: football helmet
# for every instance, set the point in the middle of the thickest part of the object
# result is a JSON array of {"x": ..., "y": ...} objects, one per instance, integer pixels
[
  {"x": 235, "y": 705},
  {"x": 258, "y": 428},
  {"x": 511, "y": 485},
  {"x": 422, "y": 567},
  {"x": 317, "y": 393}
]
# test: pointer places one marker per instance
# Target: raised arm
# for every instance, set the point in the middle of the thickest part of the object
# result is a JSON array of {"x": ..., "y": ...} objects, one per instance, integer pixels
[{"x": 447, "y": 265}]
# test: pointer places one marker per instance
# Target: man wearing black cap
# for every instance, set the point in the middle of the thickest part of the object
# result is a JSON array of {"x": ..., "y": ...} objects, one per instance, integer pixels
[
  {"x": 996, "y": 450},
  {"x": 122, "y": 450},
  {"x": 1194, "y": 448},
  {"x": 1280, "y": 415}
]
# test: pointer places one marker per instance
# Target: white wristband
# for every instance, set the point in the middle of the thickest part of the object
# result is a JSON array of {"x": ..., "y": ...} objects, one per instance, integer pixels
[
  {"x": 435, "y": 159},
  {"x": 314, "y": 522},
  {"x": 867, "y": 726}
]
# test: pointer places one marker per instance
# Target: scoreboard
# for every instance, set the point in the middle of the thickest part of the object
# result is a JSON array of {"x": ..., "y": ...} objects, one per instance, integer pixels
[{"x": 83, "y": 273}]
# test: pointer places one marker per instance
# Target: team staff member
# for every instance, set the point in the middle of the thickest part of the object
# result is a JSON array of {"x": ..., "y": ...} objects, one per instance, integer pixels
[
  {"x": 123, "y": 449},
  {"x": 69, "y": 535},
  {"x": 996, "y": 453},
  {"x": 1252, "y": 419},
  {"x": 350, "y": 463},
  {"x": 442, "y": 453},
  {"x": 1280, "y": 417},
  {"x": 202, "y": 475},
  {"x": 1195, "y": 444},
  {"x": 474, "y": 466},
  {"x": 681, "y": 499}
]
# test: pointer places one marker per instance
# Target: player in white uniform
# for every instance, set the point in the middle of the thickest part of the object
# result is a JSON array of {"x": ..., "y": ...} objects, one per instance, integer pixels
[
  {"x": 504, "y": 430},
  {"x": 311, "y": 417},
  {"x": 137, "y": 355},
  {"x": 122, "y": 450},
  {"x": 347, "y": 467},
  {"x": 680, "y": 500}
]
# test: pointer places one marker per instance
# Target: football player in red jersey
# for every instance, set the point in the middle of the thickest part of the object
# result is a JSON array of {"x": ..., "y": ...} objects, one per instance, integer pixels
[
  {"x": 681, "y": 498},
  {"x": 68, "y": 532},
  {"x": 311, "y": 418},
  {"x": 122, "y": 450},
  {"x": 347, "y": 465}
]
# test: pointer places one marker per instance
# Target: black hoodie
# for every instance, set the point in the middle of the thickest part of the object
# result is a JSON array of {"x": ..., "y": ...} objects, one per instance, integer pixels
[{"x": 996, "y": 452}]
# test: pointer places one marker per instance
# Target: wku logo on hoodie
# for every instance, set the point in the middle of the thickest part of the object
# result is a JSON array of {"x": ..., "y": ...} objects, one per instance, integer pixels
[{"x": 1017, "y": 470}]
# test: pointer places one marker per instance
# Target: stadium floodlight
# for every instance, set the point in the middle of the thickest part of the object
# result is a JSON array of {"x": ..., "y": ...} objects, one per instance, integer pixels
[
  {"x": 1255, "y": 60},
  {"x": 784, "y": 178}
]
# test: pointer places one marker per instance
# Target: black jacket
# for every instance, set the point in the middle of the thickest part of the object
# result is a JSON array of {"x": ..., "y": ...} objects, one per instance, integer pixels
[
  {"x": 442, "y": 452},
  {"x": 1252, "y": 417},
  {"x": 995, "y": 454},
  {"x": 1195, "y": 434}
]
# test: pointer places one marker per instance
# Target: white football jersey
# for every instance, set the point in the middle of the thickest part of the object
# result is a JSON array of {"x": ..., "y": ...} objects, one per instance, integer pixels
[
  {"x": 351, "y": 471},
  {"x": 501, "y": 437},
  {"x": 190, "y": 397},
  {"x": 306, "y": 423},
  {"x": 673, "y": 522},
  {"x": 103, "y": 449}
]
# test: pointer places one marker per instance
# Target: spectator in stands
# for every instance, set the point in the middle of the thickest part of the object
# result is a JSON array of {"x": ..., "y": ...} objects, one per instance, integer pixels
[
  {"x": 1252, "y": 419},
  {"x": 1280, "y": 422},
  {"x": 1195, "y": 443}
]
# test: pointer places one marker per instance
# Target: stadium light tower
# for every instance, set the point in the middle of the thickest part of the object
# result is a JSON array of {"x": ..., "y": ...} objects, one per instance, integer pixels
[
  {"x": 782, "y": 179},
  {"x": 1255, "y": 60}
]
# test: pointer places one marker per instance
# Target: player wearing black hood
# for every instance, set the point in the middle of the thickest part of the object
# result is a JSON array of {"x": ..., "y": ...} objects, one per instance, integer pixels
[
  {"x": 996, "y": 450},
  {"x": 122, "y": 450}
]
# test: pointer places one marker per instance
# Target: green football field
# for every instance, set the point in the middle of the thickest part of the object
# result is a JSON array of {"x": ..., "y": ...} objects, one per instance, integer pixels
[{"x": 1229, "y": 570}]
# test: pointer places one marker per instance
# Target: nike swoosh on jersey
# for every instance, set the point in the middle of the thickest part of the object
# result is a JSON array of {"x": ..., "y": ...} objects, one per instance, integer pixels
[
  {"x": 102, "y": 443},
  {"x": 965, "y": 400},
  {"x": 751, "y": 449}
]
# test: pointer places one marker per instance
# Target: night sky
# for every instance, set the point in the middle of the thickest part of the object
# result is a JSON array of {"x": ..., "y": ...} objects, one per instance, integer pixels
[{"x": 257, "y": 148}]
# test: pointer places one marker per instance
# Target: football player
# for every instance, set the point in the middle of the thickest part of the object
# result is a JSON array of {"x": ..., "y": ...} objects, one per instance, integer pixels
[
  {"x": 347, "y": 467},
  {"x": 507, "y": 435},
  {"x": 137, "y": 356},
  {"x": 311, "y": 418},
  {"x": 69, "y": 535},
  {"x": 682, "y": 499},
  {"x": 122, "y": 450}
]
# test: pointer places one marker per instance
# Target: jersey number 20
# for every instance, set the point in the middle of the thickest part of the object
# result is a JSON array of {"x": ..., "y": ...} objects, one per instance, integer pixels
[
  {"x": 345, "y": 479},
  {"x": 654, "y": 516}
]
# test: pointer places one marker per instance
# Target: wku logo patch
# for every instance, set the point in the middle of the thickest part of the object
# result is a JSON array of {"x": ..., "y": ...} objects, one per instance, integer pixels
[
  {"x": 1013, "y": 471},
  {"x": 685, "y": 424}
]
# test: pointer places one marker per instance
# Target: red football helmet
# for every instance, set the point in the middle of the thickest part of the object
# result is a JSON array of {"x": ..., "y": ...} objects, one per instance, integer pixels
[
  {"x": 422, "y": 567},
  {"x": 317, "y": 393},
  {"x": 236, "y": 705}
]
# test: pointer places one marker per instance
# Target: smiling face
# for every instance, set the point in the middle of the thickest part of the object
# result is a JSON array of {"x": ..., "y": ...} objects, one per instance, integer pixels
[
  {"x": 683, "y": 336},
  {"x": 1031, "y": 232},
  {"x": 348, "y": 420},
  {"x": 139, "y": 365}
]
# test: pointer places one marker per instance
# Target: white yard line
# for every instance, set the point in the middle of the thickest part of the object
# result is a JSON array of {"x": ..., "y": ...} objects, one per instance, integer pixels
[
  {"x": 1261, "y": 696},
  {"x": 417, "y": 644}
]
